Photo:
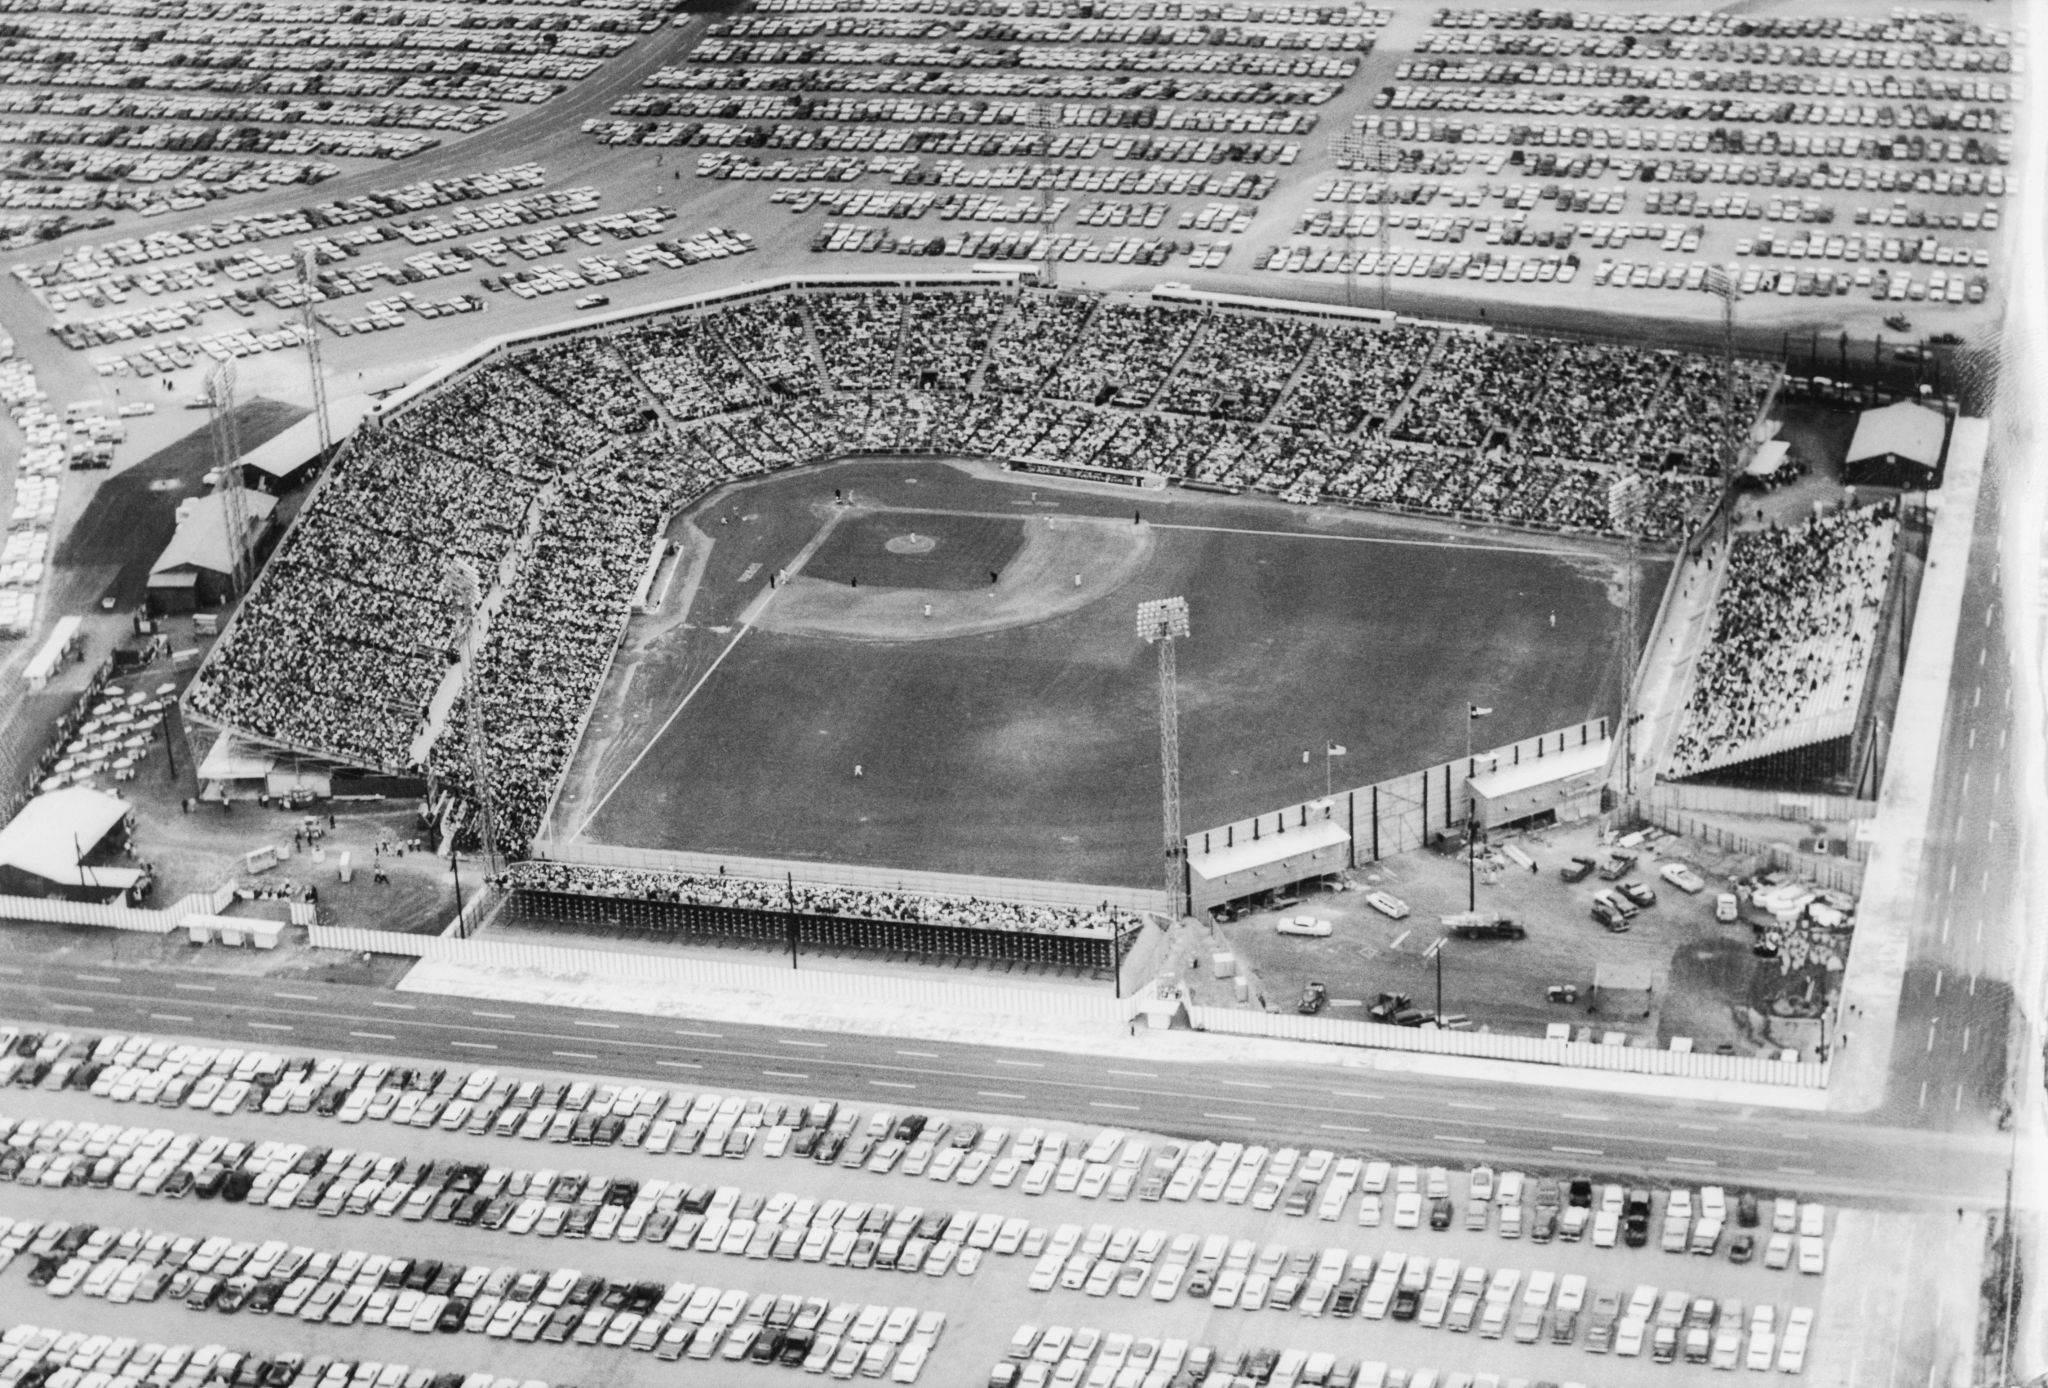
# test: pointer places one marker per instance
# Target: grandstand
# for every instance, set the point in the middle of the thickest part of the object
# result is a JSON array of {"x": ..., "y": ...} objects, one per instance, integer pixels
[
  {"x": 1798, "y": 626},
  {"x": 551, "y": 464}
]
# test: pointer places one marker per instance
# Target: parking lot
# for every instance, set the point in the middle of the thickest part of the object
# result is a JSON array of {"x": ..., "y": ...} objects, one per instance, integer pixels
[
  {"x": 1707, "y": 980},
  {"x": 1227, "y": 1247}
]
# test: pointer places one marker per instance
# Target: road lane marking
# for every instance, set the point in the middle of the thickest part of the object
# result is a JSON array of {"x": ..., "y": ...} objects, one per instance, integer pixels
[
  {"x": 785, "y": 1074},
  {"x": 1477, "y": 1108},
  {"x": 1959, "y": 1098},
  {"x": 811, "y": 1045},
  {"x": 891, "y": 1084},
  {"x": 1930, "y": 1034},
  {"x": 680, "y": 1064},
  {"x": 379, "y": 1036},
  {"x": 1135, "y": 1074},
  {"x": 712, "y": 1035},
  {"x": 1697, "y": 1127},
  {"x": 1395, "y": 943},
  {"x": 576, "y": 1055},
  {"x": 1966, "y": 1038},
  {"x": 296, "y": 997},
  {"x": 1937, "y": 981},
  {"x": 194, "y": 987},
  {"x": 496, "y": 1016},
  {"x": 1343, "y": 1128},
  {"x": 1355, "y": 1094},
  {"x": 1100, "y": 1103},
  {"x": 602, "y": 1026},
  {"x": 1246, "y": 1084},
  {"x": 95, "y": 978},
  {"x": 394, "y": 1006},
  {"x": 1797, "y": 1170},
  {"x": 1688, "y": 1161},
  {"x": 168, "y": 1017},
  {"x": 69, "y": 1007},
  {"x": 474, "y": 1045},
  {"x": 920, "y": 1055},
  {"x": 1453, "y": 1137},
  {"x": 1032, "y": 1065},
  {"x": 1580, "y": 1151},
  {"x": 996, "y": 1094},
  {"x": 1587, "y": 1117},
  {"x": 268, "y": 1026},
  {"x": 1230, "y": 1117},
  {"x": 1923, "y": 1093}
]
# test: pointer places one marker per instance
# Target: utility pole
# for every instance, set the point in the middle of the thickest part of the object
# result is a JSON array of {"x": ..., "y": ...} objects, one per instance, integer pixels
[
  {"x": 1357, "y": 151},
  {"x": 308, "y": 268},
  {"x": 227, "y": 454},
  {"x": 1436, "y": 952},
  {"x": 1161, "y": 622}
]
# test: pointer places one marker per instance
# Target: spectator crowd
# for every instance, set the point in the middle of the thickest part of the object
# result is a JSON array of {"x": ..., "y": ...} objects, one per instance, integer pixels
[
  {"x": 552, "y": 470},
  {"x": 1794, "y": 629},
  {"x": 811, "y": 898}
]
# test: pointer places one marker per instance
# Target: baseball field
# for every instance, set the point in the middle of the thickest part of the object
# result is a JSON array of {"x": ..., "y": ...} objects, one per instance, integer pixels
[{"x": 948, "y": 678}]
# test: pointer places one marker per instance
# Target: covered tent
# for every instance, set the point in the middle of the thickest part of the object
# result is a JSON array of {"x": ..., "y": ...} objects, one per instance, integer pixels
[
  {"x": 46, "y": 850},
  {"x": 1898, "y": 445},
  {"x": 1771, "y": 467},
  {"x": 1267, "y": 863},
  {"x": 197, "y": 568}
]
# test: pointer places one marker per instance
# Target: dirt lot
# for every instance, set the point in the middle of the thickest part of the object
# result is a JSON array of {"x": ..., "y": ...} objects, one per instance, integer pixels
[{"x": 1703, "y": 975}]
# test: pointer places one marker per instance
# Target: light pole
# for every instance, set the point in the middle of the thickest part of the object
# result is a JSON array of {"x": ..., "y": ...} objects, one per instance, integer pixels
[
  {"x": 1473, "y": 713},
  {"x": 1160, "y": 622},
  {"x": 1436, "y": 952}
]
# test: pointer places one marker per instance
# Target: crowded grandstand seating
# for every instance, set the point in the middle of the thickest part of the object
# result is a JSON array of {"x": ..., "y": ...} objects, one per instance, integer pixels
[
  {"x": 1795, "y": 626},
  {"x": 864, "y": 903},
  {"x": 552, "y": 467}
]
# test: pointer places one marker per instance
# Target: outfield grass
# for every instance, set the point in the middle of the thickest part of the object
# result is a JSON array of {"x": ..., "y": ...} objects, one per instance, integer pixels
[{"x": 1031, "y": 750}]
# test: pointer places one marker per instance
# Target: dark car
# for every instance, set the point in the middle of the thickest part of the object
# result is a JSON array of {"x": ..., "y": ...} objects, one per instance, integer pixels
[
  {"x": 1441, "y": 1213},
  {"x": 1407, "y": 1302},
  {"x": 1345, "y": 1302},
  {"x": 235, "y": 1188},
  {"x": 452, "y": 1315},
  {"x": 1609, "y": 918},
  {"x": 1577, "y": 870},
  {"x": 1640, "y": 893},
  {"x": 209, "y": 1180},
  {"x": 1742, "y": 1249},
  {"x": 1746, "y": 1210},
  {"x": 1580, "y": 1192}
]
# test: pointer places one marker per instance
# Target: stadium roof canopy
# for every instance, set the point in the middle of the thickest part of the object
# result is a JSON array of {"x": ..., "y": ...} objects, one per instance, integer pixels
[{"x": 299, "y": 445}]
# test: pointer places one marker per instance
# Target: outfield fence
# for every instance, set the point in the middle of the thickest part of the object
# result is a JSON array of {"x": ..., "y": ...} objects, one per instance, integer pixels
[
  {"x": 1536, "y": 1050},
  {"x": 841, "y": 986}
]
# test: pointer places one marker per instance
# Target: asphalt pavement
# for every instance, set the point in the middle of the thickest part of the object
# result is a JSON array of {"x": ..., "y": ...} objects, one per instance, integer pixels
[{"x": 1404, "y": 1116}]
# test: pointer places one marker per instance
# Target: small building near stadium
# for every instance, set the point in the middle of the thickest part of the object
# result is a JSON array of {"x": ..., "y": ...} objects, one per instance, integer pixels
[
  {"x": 1898, "y": 445},
  {"x": 64, "y": 843},
  {"x": 1270, "y": 862},
  {"x": 1563, "y": 786},
  {"x": 197, "y": 568}
]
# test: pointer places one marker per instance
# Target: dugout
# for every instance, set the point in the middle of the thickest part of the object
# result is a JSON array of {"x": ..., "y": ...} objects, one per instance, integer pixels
[{"x": 1267, "y": 862}]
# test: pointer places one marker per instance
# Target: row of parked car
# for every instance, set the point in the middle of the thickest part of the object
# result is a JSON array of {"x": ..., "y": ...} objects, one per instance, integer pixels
[
  {"x": 546, "y": 1202},
  {"x": 427, "y": 1295},
  {"x": 34, "y": 1356}
]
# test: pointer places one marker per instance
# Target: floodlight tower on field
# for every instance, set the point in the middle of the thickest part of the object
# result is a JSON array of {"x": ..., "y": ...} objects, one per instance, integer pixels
[
  {"x": 1357, "y": 150},
  {"x": 1044, "y": 122},
  {"x": 227, "y": 454},
  {"x": 1161, "y": 621}
]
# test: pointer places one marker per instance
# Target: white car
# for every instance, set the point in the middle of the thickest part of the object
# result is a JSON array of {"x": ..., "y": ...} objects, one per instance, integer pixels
[
  {"x": 1387, "y": 905},
  {"x": 1812, "y": 1256},
  {"x": 1408, "y": 1210},
  {"x": 1682, "y": 877},
  {"x": 1302, "y": 925}
]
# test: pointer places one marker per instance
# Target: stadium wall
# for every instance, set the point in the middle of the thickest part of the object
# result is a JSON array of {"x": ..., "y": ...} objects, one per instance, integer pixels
[
  {"x": 108, "y": 916},
  {"x": 1838, "y": 874},
  {"x": 1098, "y": 1005},
  {"x": 1026, "y": 891},
  {"x": 1398, "y": 815},
  {"x": 1586, "y": 1055}
]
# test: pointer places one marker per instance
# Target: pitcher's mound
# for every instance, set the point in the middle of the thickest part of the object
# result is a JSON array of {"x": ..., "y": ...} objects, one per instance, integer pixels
[{"x": 911, "y": 544}]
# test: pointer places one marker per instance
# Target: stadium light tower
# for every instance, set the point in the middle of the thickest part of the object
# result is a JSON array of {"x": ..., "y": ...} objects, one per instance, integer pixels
[
  {"x": 1044, "y": 121},
  {"x": 227, "y": 454},
  {"x": 308, "y": 268},
  {"x": 462, "y": 591},
  {"x": 1357, "y": 150},
  {"x": 1161, "y": 622},
  {"x": 1724, "y": 286}
]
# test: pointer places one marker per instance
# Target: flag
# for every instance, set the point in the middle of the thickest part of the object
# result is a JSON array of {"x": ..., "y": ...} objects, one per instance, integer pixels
[
  {"x": 1477, "y": 712},
  {"x": 1336, "y": 749}
]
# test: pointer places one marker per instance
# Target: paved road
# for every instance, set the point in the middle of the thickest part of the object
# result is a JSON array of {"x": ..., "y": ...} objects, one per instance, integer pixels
[{"x": 1414, "y": 1116}]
